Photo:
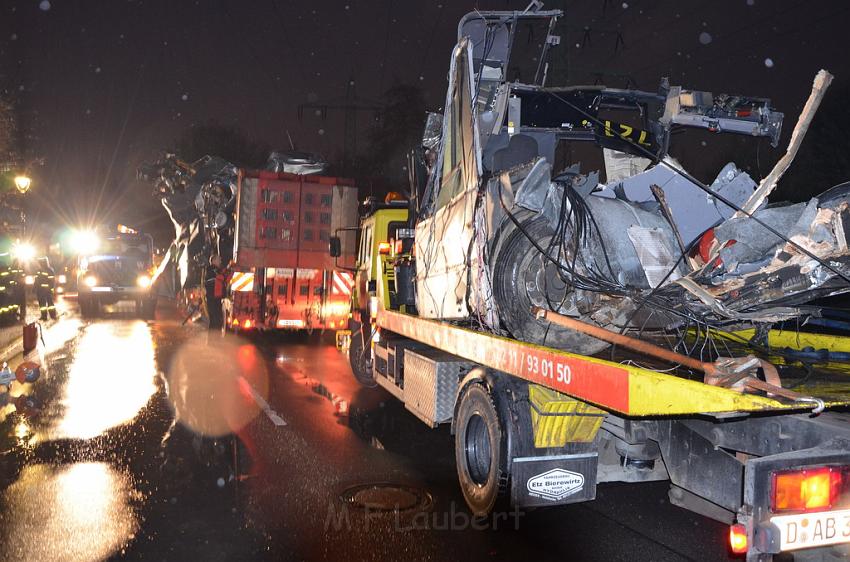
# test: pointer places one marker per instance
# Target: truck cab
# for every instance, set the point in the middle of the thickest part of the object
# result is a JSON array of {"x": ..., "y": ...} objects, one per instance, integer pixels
[
  {"x": 114, "y": 268},
  {"x": 382, "y": 225}
]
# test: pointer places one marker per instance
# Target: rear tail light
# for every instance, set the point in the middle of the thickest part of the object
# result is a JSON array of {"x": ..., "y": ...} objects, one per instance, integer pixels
[
  {"x": 810, "y": 489},
  {"x": 738, "y": 538}
]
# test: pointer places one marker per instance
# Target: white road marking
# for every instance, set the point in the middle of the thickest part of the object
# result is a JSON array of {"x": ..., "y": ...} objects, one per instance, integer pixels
[{"x": 264, "y": 406}]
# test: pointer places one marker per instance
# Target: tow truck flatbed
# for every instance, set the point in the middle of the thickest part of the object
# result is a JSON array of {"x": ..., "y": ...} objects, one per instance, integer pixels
[{"x": 626, "y": 389}]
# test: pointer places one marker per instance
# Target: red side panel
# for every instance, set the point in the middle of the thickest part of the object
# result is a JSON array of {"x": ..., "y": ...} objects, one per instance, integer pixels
[{"x": 285, "y": 220}]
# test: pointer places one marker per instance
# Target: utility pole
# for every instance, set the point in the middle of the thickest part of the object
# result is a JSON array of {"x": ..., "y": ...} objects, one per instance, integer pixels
[{"x": 349, "y": 105}]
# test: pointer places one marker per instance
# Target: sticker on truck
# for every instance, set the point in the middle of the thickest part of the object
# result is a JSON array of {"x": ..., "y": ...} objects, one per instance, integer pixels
[{"x": 555, "y": 484}]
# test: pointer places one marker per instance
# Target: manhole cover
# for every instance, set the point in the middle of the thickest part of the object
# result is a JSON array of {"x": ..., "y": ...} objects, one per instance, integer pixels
[{"x": 385, "y": 496}]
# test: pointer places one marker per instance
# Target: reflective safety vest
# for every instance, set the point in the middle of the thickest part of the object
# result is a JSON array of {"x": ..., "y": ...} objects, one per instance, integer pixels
[{"x": 45, "y": 279}]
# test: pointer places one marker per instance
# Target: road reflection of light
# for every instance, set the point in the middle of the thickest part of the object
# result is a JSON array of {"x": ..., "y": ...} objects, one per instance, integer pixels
[
  {"x": 110, "y": 381},
  {"x": 76, "y": 512},
  {"x": 57, "y": 335},
  {"x": 23, "y": 433}
]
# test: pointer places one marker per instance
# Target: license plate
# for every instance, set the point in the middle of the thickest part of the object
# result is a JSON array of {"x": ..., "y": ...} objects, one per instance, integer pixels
[{"x": 807, "y": 530}]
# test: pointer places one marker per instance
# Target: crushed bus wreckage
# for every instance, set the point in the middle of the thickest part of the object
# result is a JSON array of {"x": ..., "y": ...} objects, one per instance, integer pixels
[{"x": 509, "y": 222}]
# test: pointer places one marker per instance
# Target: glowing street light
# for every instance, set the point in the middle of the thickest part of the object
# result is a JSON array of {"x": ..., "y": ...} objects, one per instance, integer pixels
[
  {"x": 23, "y": 183},
  {"x": 23, "y": 251}
]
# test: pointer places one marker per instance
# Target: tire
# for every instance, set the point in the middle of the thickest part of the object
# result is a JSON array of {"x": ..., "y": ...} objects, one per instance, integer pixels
[
  {"x": 358, "y": 356},
  {"x": 480, "y": 451},
  {"x": 88, "y": 307},
  {"x": 520, "y": 278},
  {"x": 149, "y": 309}
]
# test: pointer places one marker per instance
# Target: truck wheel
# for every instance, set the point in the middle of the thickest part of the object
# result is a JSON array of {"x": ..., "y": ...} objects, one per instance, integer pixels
[
  {"x": 480, "y": 451},
  {"x": 149, "y": 309},
  {"x": 145, "y": 308},
  {"x": 358, "y": 356},
  {"x": 522, "y": 278},
  {"x": 87, "y": 307}
]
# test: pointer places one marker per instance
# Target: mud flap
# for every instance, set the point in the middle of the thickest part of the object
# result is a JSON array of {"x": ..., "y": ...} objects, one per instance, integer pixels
[{"x": 553, "y": 480}]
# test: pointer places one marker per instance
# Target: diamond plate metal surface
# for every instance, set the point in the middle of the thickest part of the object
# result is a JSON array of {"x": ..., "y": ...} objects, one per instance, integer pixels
[{"x": 430, "y": 384}]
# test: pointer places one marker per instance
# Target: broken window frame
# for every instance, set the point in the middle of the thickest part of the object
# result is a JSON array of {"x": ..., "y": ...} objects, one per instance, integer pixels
[
  {"x": 512, "y": 21},
  {"x": 467, "y": 170}
]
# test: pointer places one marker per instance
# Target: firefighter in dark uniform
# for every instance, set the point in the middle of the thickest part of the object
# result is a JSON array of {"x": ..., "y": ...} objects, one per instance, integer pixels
[
  {"x": 8, "y": 300},
  {"x": 45, "y": 283},
  {"x": 19, "y": 280}
]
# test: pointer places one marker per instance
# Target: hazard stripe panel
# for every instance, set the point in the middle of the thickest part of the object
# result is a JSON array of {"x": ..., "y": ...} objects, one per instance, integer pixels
[
  {"x": 242, "y": 281},
  {"x": 625, "y": 389},
  {"x": 343, "y": 282}
]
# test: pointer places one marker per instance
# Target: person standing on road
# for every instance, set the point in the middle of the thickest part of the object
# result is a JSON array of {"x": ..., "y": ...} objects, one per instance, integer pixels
[
  {"x": 20, "y": 278},
  {"x": 45, "y": 283}
]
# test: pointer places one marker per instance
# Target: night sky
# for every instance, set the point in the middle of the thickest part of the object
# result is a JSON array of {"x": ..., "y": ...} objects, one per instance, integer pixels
[{"x": 109, "y": 82}]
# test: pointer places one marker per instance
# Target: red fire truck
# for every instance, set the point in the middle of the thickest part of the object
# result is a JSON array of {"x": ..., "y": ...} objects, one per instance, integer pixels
[{"x": 282, "y": 276}]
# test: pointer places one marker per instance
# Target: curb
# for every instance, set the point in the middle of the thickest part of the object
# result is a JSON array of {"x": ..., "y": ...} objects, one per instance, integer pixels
[
  {"x": 10, "y": 351},
  {"x": 15, "y": 346}
]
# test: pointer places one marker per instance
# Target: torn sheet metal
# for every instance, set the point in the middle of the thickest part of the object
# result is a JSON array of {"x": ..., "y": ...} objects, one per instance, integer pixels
[
  {"x": 292, "y": 162},
  {"x": 694, "y": 211},
  {"x": 822, "y": 81},
  {"x": 656, "y": 257},
  {"x": 621, "y": 165},
  {"x": 200, "y": 199}
]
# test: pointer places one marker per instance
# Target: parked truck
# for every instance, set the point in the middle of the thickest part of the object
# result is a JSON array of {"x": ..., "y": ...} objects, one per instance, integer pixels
[
  {"x": 115, "y": 266},
  {"x": 282, "y": 277},
  {"x": 579, "y": 326}
]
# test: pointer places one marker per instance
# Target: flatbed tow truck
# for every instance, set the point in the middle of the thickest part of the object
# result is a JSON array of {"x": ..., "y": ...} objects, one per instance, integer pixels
[
  {"x": 540, "y": 422},
  {"x": 539, "y": 426}
]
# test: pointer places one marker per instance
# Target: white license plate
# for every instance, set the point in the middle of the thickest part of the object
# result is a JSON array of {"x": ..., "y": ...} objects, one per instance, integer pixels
[{"x": 807, "y": 530}]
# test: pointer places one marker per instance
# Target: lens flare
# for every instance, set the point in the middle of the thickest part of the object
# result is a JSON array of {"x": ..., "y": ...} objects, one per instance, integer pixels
[{"x": 212, "y": 386}]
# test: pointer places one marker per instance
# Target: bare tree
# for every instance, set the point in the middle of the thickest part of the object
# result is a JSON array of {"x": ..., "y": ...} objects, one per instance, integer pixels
[{"x": 8, "y": 135}]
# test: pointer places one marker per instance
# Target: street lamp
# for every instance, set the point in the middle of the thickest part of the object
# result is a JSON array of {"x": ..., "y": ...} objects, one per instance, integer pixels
[{"x": 23, "y": 183}]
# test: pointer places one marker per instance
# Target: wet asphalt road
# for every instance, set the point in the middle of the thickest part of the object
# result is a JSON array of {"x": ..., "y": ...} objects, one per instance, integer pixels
[{"x": 96, "y": 469}]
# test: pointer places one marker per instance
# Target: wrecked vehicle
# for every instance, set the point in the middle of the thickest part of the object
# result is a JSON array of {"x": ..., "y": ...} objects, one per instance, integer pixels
[
  {"x": 532, "y": 222},
  {"x": 201, "y": 200},
  {"x": 548, "y": 223}
]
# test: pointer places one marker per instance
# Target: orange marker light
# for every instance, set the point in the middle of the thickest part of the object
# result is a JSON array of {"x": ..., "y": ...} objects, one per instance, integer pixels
[
  {"x": 738, "y": 538},
  {"x": 384, "y": 248},
  {"x": 806, "y": 490},
  {"x": 248, "y": 324}
]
